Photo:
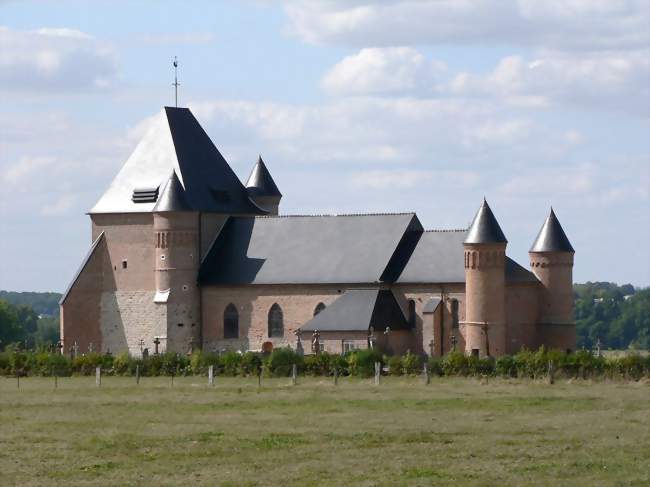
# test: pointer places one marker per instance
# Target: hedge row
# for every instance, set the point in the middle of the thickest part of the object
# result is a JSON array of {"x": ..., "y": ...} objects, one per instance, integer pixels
[{"x": 525, "y": 364}]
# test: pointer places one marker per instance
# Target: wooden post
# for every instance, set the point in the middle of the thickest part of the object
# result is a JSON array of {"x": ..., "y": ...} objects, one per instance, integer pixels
[
  {"x": 137, "y": 374},
  {"x": 336, "y": 376},
  {"x": 551, "y": 372},
  {"x": 294, "y": 374},
  {"x": 56, "y": 381},
  {"x": 259, "y": 377},
  {"x": 98, "y": 376},
  {"x": 172, "y": 380},
  {"x": 18, "y": 381},
  {"x": 427, "y": 375},
  {"x": 211, "y": 375},
  {"x": 377, "y": 372}
]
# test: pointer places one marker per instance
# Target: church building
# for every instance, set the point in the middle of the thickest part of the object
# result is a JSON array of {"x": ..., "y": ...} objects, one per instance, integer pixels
[{"x": 184, "y": 256}]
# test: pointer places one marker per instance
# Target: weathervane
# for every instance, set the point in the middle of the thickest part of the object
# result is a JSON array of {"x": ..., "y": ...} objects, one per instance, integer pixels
[{"x": 176, "y": 84}]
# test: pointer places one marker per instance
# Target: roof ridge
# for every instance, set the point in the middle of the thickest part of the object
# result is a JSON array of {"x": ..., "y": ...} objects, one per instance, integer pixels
[{"x": 335, "y": 215}]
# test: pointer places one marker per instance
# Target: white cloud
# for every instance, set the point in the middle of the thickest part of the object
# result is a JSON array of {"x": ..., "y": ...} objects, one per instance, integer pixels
[
  {"x": 61, "y": 206},
  {"x": 25, "y": 167},
  {"x": 54, "y": 60},
  {"x": 571, "y": 24},
  {"x": 618, "y": 81},
  {"x": 383, "y": 70}
]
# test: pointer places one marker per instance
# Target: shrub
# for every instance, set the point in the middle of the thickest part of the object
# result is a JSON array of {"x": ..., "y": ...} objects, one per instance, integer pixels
[
  {"x": 230, "y": 363},
  {"x": 280, "y": 362},
  {"x": 362, "y": 362},
  {"x": 319, "y": 364},
  {"x": 455, "y": 363},
  {"x": 250, "y": 363},
  {"x": 506, "y": 366},
  {"x": 394, "y": 365},
  {"x": 435, "y": 366},
  {"x": 411, "y": 364}
]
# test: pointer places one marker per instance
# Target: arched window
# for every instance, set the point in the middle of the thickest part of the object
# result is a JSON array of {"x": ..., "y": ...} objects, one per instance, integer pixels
[
  {"x": 276, "y": 323},
  {"x": 319, "y": 307},
  {"x": 454, "y": 313},
  {"x": 412, "y": 315},
  {"x": 231, "y": 322}
]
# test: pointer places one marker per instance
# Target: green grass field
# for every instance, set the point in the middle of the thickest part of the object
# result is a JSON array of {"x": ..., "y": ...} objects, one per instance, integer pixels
[{"x": 453, "y": 431}]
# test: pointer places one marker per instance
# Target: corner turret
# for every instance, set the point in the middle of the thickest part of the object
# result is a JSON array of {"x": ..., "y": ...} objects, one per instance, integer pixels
[
  {"x": 176, "y": 229},
  {"x": 262, "y": 189},
  {"x": 485, "y": 252},
  {"x": 551, "y": 260}
]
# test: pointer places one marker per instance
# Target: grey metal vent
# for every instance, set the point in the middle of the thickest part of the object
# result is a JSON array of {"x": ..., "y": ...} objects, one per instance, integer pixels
[{"x": 145, "y": 195}]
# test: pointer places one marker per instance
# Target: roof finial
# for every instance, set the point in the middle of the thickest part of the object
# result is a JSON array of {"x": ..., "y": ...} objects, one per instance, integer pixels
[{"x": 176, "y": 84}]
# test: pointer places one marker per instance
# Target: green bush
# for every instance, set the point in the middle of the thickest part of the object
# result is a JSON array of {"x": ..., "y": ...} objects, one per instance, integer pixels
[
  {"x": 281, "y": 360},
  {"x": 362, "y": 362},
  {"x": 319, "y": 364},
  {"x": 435, "y": 366},
  {"x": 394, "y": 365},
  {"x": 230, "y": 363},
  {"x": 455, "y": 363},
  {"x": 411, "y": 364},
  {"x": 250, "y": 363}
]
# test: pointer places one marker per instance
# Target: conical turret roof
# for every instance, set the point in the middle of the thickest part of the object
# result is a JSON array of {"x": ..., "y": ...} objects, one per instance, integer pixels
[
  {"x": 551, "y": 237},
  {"x": 172, "y": 197},
  {"x": 485, "y": 229},
  {"x": 260, "y": 182}
]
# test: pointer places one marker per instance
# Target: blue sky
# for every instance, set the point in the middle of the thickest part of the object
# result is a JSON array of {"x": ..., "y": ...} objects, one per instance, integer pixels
[{"x": 356, "y": 106}]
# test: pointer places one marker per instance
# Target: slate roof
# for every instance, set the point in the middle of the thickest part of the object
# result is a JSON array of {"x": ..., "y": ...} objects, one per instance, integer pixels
[
  {"x": 438, "y": 257},
  {"x": 260, "y": 182},
  {"x": 485, "y": 229},
  {"x": 431, "y": 305},
  {"x": 551, "y": 237},
  {"x": 172, "y": 197},
  {"x": 309, "y": 249},
  {"x": 175, "y": 141},
  {"x": 358, "y": 310}
]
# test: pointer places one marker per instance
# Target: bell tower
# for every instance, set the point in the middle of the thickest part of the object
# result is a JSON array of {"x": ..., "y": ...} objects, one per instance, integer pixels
[
  {"x": 485, "y": 252},
  {"x": 176, "y": 229},
  {"x": 551, "y": 260}
]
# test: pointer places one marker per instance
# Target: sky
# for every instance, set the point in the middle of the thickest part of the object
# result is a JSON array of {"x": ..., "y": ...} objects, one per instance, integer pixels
[{"x": 356, "y": 106}]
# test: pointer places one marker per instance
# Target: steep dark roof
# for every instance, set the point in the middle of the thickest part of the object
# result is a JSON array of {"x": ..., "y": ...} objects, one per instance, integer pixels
[
  {"x": 485, "y": 229},
  {"x": 358, "y": 310},
  {"x": 172, "y": 197},
  {"x": 260, "y": 182},
  {"x": 308, "y": 249},
  {"x": 551, "y": 237},
  {"x": 175, "y": 141}
]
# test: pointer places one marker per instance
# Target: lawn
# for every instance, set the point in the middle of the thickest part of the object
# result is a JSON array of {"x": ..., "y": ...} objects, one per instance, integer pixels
[{"x": 402, "y": 432}]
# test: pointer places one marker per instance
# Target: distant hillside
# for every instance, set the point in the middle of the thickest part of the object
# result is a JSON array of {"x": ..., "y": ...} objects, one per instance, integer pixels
[{"x": 41, "y": 303}]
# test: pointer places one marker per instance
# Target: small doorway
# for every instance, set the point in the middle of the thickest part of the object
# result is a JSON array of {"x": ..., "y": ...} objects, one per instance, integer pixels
[{"x": 475, "y": 352}]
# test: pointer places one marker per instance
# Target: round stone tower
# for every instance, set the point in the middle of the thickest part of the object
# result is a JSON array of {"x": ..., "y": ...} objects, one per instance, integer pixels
[
  {"x": 551, "y": 260},
  {"x": 485, "y": 253},
  {"x": 176, "y": 229}
]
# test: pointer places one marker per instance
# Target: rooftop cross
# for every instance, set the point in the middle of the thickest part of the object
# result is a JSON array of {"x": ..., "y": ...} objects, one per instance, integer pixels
[{"x": 176, "y": 84}]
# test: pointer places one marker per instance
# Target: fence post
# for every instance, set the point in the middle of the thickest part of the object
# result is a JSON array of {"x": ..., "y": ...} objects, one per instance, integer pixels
[
  {"x": 294, "y": 374},
  {"x": 427, "y": 375},
  {"x": 377, "y": 372},
  {"x": 211, "y": 375},
  {"x": 336, "y": 376},
  {"x": 259, "y": 376},
  {"x": 18, "y": 381},
  {"x": 98, "y": 376},
  {"x": 137, "y": 374},
  {"x": 551, "y": 372}
]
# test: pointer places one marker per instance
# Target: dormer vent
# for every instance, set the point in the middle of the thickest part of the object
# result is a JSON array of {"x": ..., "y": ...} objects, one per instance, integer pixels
[{"x": 145, "y": 195}]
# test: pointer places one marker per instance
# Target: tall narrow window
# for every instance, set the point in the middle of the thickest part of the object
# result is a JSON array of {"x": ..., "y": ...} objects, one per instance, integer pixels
[
  {"x": 319, "y": 307},
  {"x": 231, "y": 322},
  {"x": 454, "y": 313},
  {"x": 412, "y": 315},
  {"x": 276, "y": 323}
]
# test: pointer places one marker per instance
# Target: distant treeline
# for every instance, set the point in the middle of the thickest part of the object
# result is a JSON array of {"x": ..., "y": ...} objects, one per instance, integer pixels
[{"x": 617, "y": 316}]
